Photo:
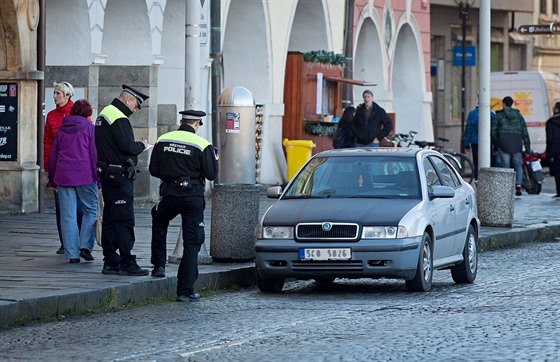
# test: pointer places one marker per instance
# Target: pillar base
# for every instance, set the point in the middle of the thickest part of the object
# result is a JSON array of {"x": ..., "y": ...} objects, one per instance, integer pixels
[{"x": 494, "y": 196}]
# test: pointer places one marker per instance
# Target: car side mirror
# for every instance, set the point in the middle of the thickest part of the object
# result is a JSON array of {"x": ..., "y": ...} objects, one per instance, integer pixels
[
  {"x": 274, "y": 192},
  {"x": 442, "y": 191}
]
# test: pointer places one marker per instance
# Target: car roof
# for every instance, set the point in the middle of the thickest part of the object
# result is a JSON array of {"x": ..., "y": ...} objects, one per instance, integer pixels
[{"x": 372, "y": 152}]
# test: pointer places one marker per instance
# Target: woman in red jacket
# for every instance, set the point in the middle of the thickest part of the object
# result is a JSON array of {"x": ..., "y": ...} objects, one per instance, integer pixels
[{"x": 62, "y": 94}]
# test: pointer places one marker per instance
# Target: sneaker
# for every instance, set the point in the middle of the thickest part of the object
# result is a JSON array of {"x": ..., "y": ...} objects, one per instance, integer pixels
[
  {"x": 557, "y": 196},
  {"x": 158, "y": 272},
  {"x": 517, "y": 190},
  {"x": 60, "y": 250},
  {"x": 110, "y": 270},
  {"x": 86, "y": 254},
  {"x": 74, "y": 260},
  {"x": 195, "y": 297},
  {"x": 133, "y": 270}
]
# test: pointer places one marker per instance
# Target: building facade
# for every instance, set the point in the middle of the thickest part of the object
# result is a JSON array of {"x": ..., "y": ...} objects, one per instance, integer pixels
[{"x": 97, "y": 45}]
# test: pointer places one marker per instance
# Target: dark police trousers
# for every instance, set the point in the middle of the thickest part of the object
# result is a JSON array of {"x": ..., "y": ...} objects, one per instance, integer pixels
[
  {"x": 191, "y": 209},
  {"x": 118, "y": 224}
]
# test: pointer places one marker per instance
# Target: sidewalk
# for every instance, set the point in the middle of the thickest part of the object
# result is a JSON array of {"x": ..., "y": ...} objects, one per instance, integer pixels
[{"x": 36, "y": 283}]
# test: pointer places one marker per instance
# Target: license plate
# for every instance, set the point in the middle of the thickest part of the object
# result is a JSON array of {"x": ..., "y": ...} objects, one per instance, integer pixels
[
  {"x": 536, "y": 166},
  {"x": 325, "y": 254}
]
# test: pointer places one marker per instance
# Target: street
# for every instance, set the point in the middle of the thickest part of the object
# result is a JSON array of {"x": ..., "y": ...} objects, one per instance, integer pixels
[{"x": 510, "y": 313}]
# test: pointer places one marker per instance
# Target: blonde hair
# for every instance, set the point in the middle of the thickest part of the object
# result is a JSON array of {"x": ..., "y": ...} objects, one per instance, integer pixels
[{"x": 65, "y": 88}]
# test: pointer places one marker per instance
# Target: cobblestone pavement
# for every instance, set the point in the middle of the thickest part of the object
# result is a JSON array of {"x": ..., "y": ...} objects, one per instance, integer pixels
[{"x": 510, "y": 313}]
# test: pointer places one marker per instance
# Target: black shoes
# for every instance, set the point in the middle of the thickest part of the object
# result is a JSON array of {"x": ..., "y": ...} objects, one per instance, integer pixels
[
  {"x": 60, "y": 250},
  {"x": 133, "y": 270},
  {"x": 86, "y": 254},
  {"x": 517, "y": 190},
  {"x": 73, "y": 261},
  {"x": 110, "y": 270},
  {"x": 158, "y": 272},
  {"x": 195, "y": 297},
  {"x": 557, "y": 196}
]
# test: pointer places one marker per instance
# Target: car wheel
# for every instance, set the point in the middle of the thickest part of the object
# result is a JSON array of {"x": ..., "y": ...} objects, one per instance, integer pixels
[
  {"x": 325, "y": 280},
  {"x": 270, "y": 285},
  {"x": 422, "y": 281},
  {"x": 466, "y": 271}
]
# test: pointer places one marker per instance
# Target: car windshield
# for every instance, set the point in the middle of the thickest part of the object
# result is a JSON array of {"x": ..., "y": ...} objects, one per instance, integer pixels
[{"x": 357, "y": 177}]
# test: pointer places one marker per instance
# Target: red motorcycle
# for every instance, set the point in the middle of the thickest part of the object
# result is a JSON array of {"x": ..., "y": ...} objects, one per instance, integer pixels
[{"x": 532, "y": 172}]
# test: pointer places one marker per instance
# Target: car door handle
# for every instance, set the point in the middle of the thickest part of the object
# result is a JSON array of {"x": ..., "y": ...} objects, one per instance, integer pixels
[
  {"x": 467, "y": 202},
  {"x": 451, "y": 208}
]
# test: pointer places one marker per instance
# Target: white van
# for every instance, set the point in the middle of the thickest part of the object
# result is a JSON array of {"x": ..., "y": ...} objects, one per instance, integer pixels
[{"x": 534, "y": 94}]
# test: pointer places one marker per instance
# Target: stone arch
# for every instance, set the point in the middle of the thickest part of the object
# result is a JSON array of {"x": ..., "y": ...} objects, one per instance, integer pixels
[
  {"x": 309, "y": 27},
  {"x": 369, "y": 60},
  {"x": 408, "y": 83},
  {"x": 247, "y": 40}
]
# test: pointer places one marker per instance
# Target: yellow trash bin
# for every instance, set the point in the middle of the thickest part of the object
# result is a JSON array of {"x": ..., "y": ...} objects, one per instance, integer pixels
[{"x": 297, "y": 153}]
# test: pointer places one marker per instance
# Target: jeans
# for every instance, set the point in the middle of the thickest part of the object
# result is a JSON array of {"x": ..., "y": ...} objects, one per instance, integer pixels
[
  {"x": 371, "y": 144},
  {"x": 57, "y": 210},
  {"x": 513, "y": 159},
  {"x": 75, "y": 240}
]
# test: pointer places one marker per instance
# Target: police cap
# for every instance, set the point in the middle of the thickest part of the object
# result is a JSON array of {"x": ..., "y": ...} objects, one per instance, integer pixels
[
  {"x": 140, "y": 97},
  {"x": 192, "y": 114}
]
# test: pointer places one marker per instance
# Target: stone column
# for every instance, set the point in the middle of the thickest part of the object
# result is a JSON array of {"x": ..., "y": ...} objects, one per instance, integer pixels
[
  {"x": 494, "y": 196},
  {"x": 235, "y": 213}
]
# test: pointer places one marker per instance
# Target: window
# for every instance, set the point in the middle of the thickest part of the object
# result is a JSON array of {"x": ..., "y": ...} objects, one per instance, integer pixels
[
  {"x": 543, "y": 7},
  {"x": 446, "y": 174},
  {"x": 555, "y": 7}
]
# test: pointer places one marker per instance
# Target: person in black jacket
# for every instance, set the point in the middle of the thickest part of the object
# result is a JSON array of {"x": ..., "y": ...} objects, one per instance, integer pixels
[
  {"x": 117, "y": 155},
  {"x": 343, "y": 136},
  {"x": 182, "y": 161},
  {"x": 553, "y": 145},
  {"x": 370, "y": 123}
]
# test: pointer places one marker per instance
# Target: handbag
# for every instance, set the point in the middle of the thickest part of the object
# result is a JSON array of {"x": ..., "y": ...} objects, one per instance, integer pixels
[{"x": 97, "y": 227}]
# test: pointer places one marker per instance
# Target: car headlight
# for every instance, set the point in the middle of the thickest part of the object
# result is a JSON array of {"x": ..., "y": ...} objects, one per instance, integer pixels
[
  {"x": 277, "y": 232},
  {"x": 384, "y": 232}
]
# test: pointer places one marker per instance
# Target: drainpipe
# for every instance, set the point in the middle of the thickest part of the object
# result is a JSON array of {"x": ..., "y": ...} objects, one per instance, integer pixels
[
  {"x": 347, "y": 94},
  {"x": 41, "y": 100},
  {"x": 216, "y": 55}
]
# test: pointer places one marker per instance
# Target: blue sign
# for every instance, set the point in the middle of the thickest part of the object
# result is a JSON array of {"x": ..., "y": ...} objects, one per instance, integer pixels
[{"x": 470, "y": 57}]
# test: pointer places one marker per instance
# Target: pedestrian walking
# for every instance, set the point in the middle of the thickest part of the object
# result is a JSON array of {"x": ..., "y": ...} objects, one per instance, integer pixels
[
  {"x": 370, "y": 123},
  {"x": 117, "y": 153},
  {"x": 73, "y": 165},
  {"x": 62, "y": 96},
  {"x": 182, "y": 160},
  {"x": 553, "y": 146},
  {"x": 509, "y": 134},
  {"x": 470, "y": 138},
  {"x": 343, "y": 136}
]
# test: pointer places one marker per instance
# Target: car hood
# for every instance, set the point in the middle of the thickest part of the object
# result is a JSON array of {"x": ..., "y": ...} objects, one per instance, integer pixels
[{"x": 361, "y": 211}]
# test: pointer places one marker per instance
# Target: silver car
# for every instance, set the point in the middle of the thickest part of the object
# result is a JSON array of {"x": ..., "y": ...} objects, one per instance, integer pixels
[{"x": 369, "y": 213}]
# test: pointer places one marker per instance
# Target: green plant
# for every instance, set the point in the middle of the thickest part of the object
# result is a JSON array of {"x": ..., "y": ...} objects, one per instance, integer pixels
[
  {"x": 320, "y": 129},
  {"x": 326, "y": 57}
]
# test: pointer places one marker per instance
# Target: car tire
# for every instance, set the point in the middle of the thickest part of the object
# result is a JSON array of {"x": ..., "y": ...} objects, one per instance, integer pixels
[
  {"x": 422, "y": 281},
  {"x": 324, "y": 280},
  {"x": 269, "y": 285},
  {"x": 466, "y": 271}
]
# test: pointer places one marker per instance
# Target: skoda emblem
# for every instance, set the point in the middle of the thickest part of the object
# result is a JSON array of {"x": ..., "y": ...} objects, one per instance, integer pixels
[{"x": 327, "y": 226}]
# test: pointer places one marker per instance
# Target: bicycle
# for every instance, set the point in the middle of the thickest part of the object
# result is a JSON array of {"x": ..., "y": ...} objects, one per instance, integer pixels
[
  {"x": 402, "y": 139},
  {"x": 461, "y": 162}
]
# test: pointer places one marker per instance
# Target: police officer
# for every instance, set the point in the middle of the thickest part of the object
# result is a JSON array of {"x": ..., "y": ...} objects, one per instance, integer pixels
[
  {"x": 117, "y": 155},
  {"x": 182, "y": 161}
]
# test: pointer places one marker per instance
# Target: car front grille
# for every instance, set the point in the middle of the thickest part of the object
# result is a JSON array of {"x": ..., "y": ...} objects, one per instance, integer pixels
[
  {"x": 327, "y": 231},
  {"x": 314, "y": 266}
]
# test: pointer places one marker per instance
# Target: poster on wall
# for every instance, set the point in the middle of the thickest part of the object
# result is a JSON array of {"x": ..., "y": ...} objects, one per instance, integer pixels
[{"x": 8, "y": 121}]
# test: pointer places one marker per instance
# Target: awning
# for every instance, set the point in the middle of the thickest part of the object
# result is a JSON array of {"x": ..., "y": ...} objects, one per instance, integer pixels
[{"x": 345, "y": 80}]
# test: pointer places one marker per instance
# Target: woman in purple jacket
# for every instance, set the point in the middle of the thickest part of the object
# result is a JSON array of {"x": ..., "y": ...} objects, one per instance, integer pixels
[{"x": 73, "y": 173}]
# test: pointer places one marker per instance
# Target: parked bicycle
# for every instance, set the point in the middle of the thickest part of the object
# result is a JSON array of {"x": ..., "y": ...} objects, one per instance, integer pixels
[
  {"x": 401, "y": 139},
  {"x": 461, "y": 162}
]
